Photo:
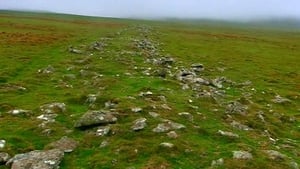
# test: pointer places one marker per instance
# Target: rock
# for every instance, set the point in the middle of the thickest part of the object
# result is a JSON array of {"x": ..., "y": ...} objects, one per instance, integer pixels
[
  {"x": 197, "y": 67},
  {"x": 281, "y": 100},
  {"x": 104, "y": 144},
  {"x": 136, "y": 109},
  {"x": 47, "y": 117},
  {"x": 294, "y": 165},
  {"x": 139, "y": 124},
  {"x": 172, "y": 134},
  {"x": 52, "y": 108},
  {"x": 228, "y": 134},
  {"x": 218, "y": 82},
  {"x": 2, "y": 144},
  {"x": 186, "y": 115},
  {"x": 92, "y": 118},
  {"x": 38, "y": 159},
  {"x": 145, "y": 94},
  {"x": 110, "y": 104},
  {"x": 166, "y": 145},
  {"x": 166, "y": 107},
  {"x": 48, "y": 70},
  {"x": 103, "y": 130},
  {"x": 153, "y": 114},
  {"x": 185, "y": 76},
  {"x": 73, "y": 50},
  {"x": 167, "y": 126},
  {"x": 218, "y": 162},
  {"x": 91, "y": 98},
  {"x": 65, "y": 144},
  {"x": 275, "y": 155},
  {"x": 236, "y": 108},
  {"x": 165, "y": 61},
  {"x": 243, "y": 155},
  {"x": 240, "y": 126},
  {"x": 4, "y": 157},
  {"x": 19, "y": 112}
]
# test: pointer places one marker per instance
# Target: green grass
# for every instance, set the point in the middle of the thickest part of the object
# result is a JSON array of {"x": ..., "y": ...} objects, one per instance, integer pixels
[{"x": 267, "y": 57}]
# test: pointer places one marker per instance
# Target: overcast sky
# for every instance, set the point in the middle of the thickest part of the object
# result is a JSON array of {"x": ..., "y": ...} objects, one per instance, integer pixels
[{"x": 214, "y": 9}]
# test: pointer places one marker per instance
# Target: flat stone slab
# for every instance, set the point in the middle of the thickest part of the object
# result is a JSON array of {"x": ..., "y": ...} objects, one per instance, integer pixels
[
  {"x": 93, "y": 118},
  {"x": 38, "y": 159}
]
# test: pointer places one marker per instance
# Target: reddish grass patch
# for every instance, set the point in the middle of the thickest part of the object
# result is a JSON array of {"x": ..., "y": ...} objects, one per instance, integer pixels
[{"x": 30, "y": 38}]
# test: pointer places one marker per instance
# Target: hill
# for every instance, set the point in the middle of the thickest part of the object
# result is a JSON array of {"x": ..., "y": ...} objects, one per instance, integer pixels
[{"x": 87, "y": 92}]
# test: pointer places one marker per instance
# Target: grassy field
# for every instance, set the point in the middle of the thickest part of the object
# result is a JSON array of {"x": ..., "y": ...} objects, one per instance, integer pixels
[{"x": 258, "y": 63}]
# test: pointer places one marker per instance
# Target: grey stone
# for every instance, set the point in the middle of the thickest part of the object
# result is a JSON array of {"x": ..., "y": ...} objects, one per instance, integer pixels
[
  {"x": 197, "y": 67},
  {"x": 153, "y": 114},
  {"x": 92, "y": 118},
  {"x": 52, "y": 108},
  {"x": 279, "y": 99},
  {"x": 240, "y": 126},
  {"x": 73, "y": 50},
  {"x": 144, "y": 94},
  {"x": 47, "y": 117},
  {"x": 136, "y": 109},
  {"x": 64, "y": 144},
  {"x": 294, "y": 165},
  {"x": 243, "y": 155},
  {"x": 104, "y": 143},
  {"x": 275, "y": 155},
  {"x": 236, "y": 108},
  {"x": 172, "y": 134},
  {"x": 4, "y": 157},
  {"x": 228, "y": 134},
  {"x": 218, "y": 162},
  {"x": 48, "y": 70},
  {"x": 110, "y": 104},
  {"x": 91, "y": 98},
  {"x": 139, "y": 124},
  {"x": 49, "y": 159},
  {"x": 186, "y": 115},
  {"x": 217, "y": 82},
  {"x": 103, "y": 130},
  {"x": 167, "y": 126},
  {"x": 19, "y": 112},
  {"x": 166, "y": 145},
  {"x": 2, "y": 144}
]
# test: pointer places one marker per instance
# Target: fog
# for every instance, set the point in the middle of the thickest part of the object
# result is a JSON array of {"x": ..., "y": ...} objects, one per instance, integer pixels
[{"x": 207, "y": 9}]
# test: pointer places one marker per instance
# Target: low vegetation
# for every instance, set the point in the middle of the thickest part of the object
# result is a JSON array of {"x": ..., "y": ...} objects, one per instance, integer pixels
[{"x": 149, "y": 94}]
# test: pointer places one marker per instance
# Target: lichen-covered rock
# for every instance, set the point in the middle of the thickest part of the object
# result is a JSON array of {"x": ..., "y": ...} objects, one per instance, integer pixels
[
  {"x": 240, "y": 126},
  {"x": 49, "y": 159},
  {"x": 139, "y": 124},
  {"x": 4, "y": 157},
  {"x": 65, "y": 144},
  {"x": 52, "y": 108},
  {"x": 243, "y": 155},
  {"x": 102, "y": 131},
  {"x": 275, "y": 155},
  {"x": 197, "y": 67},
  {"x": 167, "y": 126},
  {"x": 236, "y": 108},
  {"x": 93, "y": 118},
  {"x": 228, "y": 134},
  {"x": 280, "y": 100}
]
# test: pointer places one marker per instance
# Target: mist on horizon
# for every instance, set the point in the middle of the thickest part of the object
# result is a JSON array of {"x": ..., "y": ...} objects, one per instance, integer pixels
[{"x": 194, "y": 9}]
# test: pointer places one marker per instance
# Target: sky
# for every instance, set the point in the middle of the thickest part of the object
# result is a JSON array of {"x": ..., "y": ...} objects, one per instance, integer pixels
[{"x": 203, "y": 9}]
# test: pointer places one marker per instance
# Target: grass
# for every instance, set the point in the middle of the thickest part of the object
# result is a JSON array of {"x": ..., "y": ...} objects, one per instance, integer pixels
[{"x": 267, "y": 57}]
